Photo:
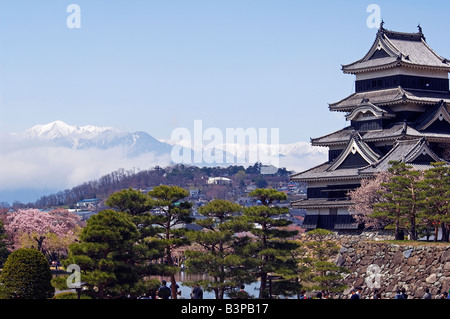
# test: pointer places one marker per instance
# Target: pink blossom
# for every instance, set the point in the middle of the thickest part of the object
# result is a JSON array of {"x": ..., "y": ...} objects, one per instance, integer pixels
[
  {"x": 365, "y": 197},
  {"x": 38, "y": 224}
]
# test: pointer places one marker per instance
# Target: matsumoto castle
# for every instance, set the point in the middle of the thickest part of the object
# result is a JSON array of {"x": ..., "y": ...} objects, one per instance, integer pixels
[{"x": 399, "y": 111}]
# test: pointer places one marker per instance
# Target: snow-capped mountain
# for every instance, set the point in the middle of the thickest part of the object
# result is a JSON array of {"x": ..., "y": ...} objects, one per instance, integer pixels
[
  {"x": 135, "y": 144},
  {"x": 50, "y": 157},
  {"x": 60, "y": 130},
  {"x": 59, "y": 133}
]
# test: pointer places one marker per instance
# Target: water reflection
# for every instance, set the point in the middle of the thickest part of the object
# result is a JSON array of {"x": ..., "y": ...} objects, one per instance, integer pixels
[
  {"x": 181, "y": 277},
  {"x": 252, "y": 289}
]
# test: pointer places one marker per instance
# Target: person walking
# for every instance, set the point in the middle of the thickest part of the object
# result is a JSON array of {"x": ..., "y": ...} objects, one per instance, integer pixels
[
  {"x": 405, "y": 296},
  {"x": 399, "y": 295},
  {"x": 354, "y": 293},
  {"x": 376, "y": 294},
  {"x": 164, "y": 291},
  {"x": 302, "y": 294},
  {"x": 427, "y": 294},
  {"x": 197, "y": 292}
]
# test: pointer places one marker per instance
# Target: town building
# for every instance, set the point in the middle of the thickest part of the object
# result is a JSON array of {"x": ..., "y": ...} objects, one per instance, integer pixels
[
  {"x": 399, "y": 111},
  {"x": 85, "y": 203},
  {"x": 219, "y": 181}
]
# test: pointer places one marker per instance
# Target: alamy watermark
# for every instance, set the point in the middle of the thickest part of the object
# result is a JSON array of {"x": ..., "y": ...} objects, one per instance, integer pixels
[
  {"x": 373, "y": 279},
  {"x": 374, "y": 19},
  {"x": 235, "y": 146},
  {"x": 74, "y": 280},
  {"x": 73, "y": 21}
]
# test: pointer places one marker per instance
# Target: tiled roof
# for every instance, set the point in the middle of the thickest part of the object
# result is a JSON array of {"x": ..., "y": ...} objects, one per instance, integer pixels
[
  {"x": 338, "y": 137},
  {"x": 355, "y": 144},
  {"x": 388, "y": 97},
  {"x": 438, "y": 112},
  {"x": 392, "y": 132},
  {"x": 366, "y": 106},
  {"x": 321, "y": 172},
  {"x": 399, "y": 49},
  {"x": 403, "y": 151},
  {"x": 320, "y": 202}
]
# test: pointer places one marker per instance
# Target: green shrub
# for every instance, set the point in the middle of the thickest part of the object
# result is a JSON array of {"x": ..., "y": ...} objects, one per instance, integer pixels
[{"x": 26, "y": 275}]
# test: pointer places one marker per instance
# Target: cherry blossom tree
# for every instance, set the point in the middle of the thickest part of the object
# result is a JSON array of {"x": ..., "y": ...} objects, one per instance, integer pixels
[
  {"x": 48, "y": 231},
  {"x": 365, "y": 197}
]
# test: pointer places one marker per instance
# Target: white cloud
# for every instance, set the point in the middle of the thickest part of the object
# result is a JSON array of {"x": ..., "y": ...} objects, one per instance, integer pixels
[
  {"x": 38, "y": 166},
  {"x": 59, "y": 168}
]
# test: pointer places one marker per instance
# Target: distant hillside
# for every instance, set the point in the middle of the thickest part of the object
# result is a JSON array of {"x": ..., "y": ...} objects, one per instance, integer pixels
[
  {"x": 188, "y": 177},
  {"x": 49, "y": 157}
]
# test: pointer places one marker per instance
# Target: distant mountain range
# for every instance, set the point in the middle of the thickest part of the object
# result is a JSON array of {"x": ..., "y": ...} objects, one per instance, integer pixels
[
  {"x": 137, "y": 143},
  {"x": 55, "y": 156},
  {"x": 59, "y": 133}
]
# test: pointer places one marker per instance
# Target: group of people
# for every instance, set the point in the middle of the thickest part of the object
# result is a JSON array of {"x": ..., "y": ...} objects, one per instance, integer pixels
[
  {"x": 356, "y": 293},
  {"x": 440, "y": 295},
  {"x": 400, "y": 294},
  {"x": 165, "y": 292}
]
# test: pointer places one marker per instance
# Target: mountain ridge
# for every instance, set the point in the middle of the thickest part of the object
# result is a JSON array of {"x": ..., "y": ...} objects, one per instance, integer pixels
[
  {"x": 60, "y": 133},
  {"x": 54, "y": 156}
]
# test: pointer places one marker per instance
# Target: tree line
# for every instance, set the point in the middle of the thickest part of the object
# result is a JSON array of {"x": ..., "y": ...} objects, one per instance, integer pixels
[
  {"x": 176, "y": 175},
  {"x": 121, "y": 249},
  {"x": 406, "y": 200}
]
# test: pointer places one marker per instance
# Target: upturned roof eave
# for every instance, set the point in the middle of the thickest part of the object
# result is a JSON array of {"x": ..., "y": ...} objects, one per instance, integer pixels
[
  {"x": 395, "y": 64},
  {"x": 324, "y": 179},
  {"x": 403, "y": 99},
  {"x": 311, "y": 204}
]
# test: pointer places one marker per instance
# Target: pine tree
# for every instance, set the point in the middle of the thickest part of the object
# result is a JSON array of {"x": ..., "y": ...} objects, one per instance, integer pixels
[
  {"x": 403, "y": 197},
  {"x": 436, "y": 202},
  {"x": 317, "y": 263},
  {"x": 172, "y": 211},
  {"x": 273, "y": 250},
  {"x": 129, "y": 201},
  {"x": 106, "y": 254},
  {"x": 138, "y": 208},
  {"x": 219, "y": 257}
]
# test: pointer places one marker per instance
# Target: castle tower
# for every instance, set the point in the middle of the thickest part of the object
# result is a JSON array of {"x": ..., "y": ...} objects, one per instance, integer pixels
[{"x": 398, "y": 112}]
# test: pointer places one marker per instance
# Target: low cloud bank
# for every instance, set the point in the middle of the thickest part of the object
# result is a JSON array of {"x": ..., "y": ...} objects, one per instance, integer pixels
[
  {"x": 30, "y": 169},
  {"x": 40, "y": 168}
]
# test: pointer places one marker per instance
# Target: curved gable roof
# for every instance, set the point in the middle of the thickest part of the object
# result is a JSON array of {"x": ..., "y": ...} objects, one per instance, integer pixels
[
  {"x": 391, "y": 49},
  {"x": 355, "y": 145},
  {"x": 406, "y": 151},
  {"x": 365, "y": 107},
  {"x": 437, "y": 113}
]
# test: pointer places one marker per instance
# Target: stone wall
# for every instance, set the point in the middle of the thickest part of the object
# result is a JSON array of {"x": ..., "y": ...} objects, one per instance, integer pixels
[{"x": 376, "y": 264}]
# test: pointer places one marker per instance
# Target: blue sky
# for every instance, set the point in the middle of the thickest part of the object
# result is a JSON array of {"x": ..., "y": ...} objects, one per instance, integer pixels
[{"x": 159, "y": 65}]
